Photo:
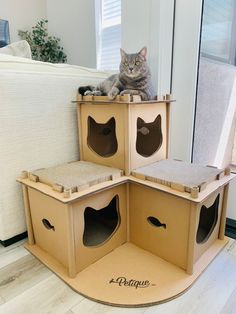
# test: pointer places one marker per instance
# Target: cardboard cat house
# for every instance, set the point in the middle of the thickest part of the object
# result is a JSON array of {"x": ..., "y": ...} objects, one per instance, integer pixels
[
  {"x": 132, "y": 240},
  {"x": 126, "y": 133}
]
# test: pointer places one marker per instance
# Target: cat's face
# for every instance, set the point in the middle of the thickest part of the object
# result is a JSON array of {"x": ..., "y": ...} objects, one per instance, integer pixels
[{"x": 133, "y": 65}]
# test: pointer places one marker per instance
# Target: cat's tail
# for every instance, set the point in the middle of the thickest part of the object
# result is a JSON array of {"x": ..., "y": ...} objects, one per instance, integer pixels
[{"x": 86, "y": 90}]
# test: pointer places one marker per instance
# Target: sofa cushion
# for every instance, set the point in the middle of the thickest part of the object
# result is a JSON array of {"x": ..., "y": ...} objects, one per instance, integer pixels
[
  {"x": 20, "y": 48},
  {"x": 38, "y": 125}
]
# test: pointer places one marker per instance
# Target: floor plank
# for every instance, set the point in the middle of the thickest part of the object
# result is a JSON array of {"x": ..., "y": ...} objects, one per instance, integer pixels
[
  {"x": 4, "y": 250},
  {"x": 13, "y": 255},
  {"x": 88, "y": 306},
  {"x": 230, "y": 306},
  {"x": 27, "y": 286},
  {"x": 16, "y": 277},
  {"x": 210, "y": 292},
  {"x": 231, "y": 248},
  {"x": 48, "y": 296}
]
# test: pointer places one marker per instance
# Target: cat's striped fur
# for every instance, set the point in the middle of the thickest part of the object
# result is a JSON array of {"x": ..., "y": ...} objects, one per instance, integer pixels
[{"x": 134, "y": 78}]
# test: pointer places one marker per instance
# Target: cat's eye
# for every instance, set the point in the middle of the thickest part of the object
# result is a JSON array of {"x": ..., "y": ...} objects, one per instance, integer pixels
[
  {"x": 126, "y": 63},
  {"x": 137, "y": 62}
]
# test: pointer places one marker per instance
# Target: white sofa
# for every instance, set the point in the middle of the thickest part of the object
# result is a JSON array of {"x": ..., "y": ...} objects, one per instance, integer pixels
[{"x": 38, "y": 126}]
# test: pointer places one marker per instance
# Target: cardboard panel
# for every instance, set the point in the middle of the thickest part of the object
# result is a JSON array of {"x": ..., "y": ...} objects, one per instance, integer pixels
[
  {"x": 200, "y": 248},
  {"x": 50, "y": 221},
  {"x": 152, "y": 131},
  {"x": 159, "y": 223},
  {"x": 109, "y": 153},
  {"x": 88, "y": 254}
]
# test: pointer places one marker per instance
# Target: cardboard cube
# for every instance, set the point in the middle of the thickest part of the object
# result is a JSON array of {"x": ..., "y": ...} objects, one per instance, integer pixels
[
  {"x": 180, "y": 225},
  {"x": 123, "y": 134}
]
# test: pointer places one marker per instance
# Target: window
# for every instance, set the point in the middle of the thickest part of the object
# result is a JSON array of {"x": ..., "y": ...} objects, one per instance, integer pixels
[
  {"x": 108, "y": 23},
  {"x": 216, "y": 97},
  {"x": 218, "y": 30}
]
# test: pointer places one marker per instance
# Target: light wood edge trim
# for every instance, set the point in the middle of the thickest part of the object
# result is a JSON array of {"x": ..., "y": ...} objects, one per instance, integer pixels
[
  {"x": 67, "y": 193},
  {"x": 191, "y": 239},
  {"x": 125, "y": 98},
  {"x": 136, "y": 98},
  {"x": 194, "y": 192},
  {"x": 177, "y": 186},
  {"x": 138, "y": 175},
  {"x": 79, "y": 97},
  {"x": 167, "y": 128},
  {"x": 227, "y": 171},
  {"x": 128, "y": 211},
  {"x": 33, "y": 177},
  {"x": 28, "y": 218},
  {"x": 127, "y": 119},
  {"x": 24, "y": 174},
  {"x": 220, "y": 175},
  {"x": 88, "y": 98},
  {"x": 223, "y": 212},
  {"x": 58, "y": 187},
  {"x": 71, "y": 242},
  {"x": 83, "y": 187},
  {"x": 79, "y": 121},
  {"x": 117, "y": 175}
]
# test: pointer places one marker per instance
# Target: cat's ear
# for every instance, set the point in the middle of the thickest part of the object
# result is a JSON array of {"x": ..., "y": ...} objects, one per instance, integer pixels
[
  {"x": 143, "y": 53},
  {"x": 140, "y": 121},
  {"x": 158, "y": 119},
  {"x": 122, "y": 53}
]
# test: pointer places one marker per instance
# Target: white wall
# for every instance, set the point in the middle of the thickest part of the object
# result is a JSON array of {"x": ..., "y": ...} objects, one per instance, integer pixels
[
  {"x": 74, "y": 23},
  {"x": 149, "y": 23},
  {"x": 22, "y": 14}
]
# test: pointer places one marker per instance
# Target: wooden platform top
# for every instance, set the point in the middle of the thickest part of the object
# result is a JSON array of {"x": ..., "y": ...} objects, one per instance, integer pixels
[
  {"x": 179, "y": 175},
  {"x": 125, "y": 99},
  {"x": 73, "y": 177}
]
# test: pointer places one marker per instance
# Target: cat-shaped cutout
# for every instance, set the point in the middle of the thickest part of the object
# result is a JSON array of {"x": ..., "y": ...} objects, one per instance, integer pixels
[
  {"x": 99, "y": 225},
  {"x": 102, "y": 137},
  {"x": 207, "y": 221},
  {"x": 149, "y": 136}
]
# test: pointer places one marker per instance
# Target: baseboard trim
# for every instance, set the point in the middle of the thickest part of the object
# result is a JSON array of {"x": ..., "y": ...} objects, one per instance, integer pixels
[
  {"x": 230, "y": 229},
  {"x": 14, "y": 239}
]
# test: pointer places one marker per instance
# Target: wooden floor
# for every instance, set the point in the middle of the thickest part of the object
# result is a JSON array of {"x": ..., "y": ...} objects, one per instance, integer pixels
[{"x": 27, "y": 286}]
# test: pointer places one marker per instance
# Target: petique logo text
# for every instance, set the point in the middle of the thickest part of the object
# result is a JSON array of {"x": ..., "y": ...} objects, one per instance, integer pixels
[{"x": 122, "y": 281}]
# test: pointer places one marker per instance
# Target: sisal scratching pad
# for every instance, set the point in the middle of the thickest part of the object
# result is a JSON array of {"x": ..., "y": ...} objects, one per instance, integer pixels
[
  {"x": 170, "y": 172},
  {"x": 76, "y": 175}
]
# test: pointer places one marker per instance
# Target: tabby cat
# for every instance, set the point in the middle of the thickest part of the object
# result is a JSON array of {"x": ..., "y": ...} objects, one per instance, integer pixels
[{"x": 134, "y": 79}]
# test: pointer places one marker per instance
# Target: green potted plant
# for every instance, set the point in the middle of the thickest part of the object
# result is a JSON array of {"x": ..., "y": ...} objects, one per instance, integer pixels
[{"x": 43, "y": 47}]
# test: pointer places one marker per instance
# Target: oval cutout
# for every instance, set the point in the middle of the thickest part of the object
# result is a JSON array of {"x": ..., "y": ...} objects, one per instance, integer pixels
[
  {"x": 102, "y": 137},
  {"x": 207, "y": 221},
  {"x": 156, "y": 222}
]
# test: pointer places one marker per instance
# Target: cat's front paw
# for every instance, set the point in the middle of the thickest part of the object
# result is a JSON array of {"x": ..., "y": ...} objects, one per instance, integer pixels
[
  {"x": 124, "y": 92},
  {"x": 113, "y": 93}
]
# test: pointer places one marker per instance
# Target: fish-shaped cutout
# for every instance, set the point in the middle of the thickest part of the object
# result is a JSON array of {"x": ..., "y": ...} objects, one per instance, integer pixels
[
  {"x": 47, "y": 224},
  {"x": 156, "y": 222}
]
